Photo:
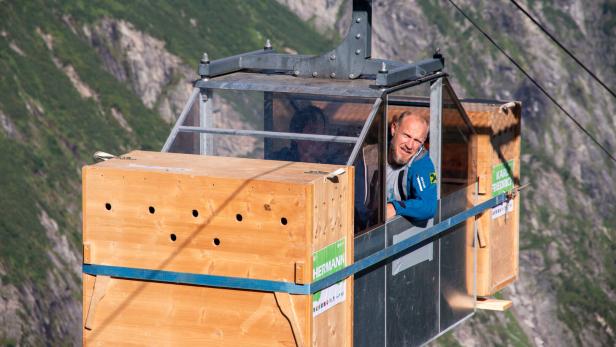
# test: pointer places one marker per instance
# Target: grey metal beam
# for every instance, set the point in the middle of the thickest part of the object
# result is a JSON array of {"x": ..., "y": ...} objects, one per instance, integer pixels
[
  {"x": 180, "y": 120},
  {"x": 436, "y": 110},
  {"x": 364, "y": 131},
  {"x": 270, "y": 134},
  {"x": 288, "y": 84},
  {"x": 408, "y": 84},
  {"x": 272, "y": 61},
  {"x": 228, "y": 64},
  {"x": 408, "y": 72}
]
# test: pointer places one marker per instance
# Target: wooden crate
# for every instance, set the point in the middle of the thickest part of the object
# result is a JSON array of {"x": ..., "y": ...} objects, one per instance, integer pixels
[
  {"x": 220, "y": 216},
  {"x": 498, "y": 168}
]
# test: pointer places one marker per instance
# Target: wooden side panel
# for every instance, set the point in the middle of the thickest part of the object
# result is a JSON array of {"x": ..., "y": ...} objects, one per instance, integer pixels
[
  {"x": 154, "y": 220},
  {"x": 498, "y": 134},
  {"x": 333, "y": 221},
  {"x": 162, "y": 211},
  {"x": 139, "y": 313},
  {"x": 505, "y": 229}
]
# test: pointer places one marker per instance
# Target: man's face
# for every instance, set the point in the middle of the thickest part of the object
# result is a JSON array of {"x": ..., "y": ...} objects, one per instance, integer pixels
[
  {"x": 312, "y": 151},
  {"x": 407, "y": 138}
]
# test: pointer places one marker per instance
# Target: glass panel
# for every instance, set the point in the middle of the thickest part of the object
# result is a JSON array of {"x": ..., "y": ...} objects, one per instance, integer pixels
[
  {"x": 309, "y": 114},
  {"x": 457, "y": 257},
  {"x": 457, "y": 170},
  {"x": 458, "y": 179},
  {"x": 369, "y": 190},
  {"x": 280, "y": 113},
  {"x": 369, "y": 296},
  {"x": 236, "y": 146},
  {"x": 188, "y": 142},
  {"x": 417, "y": 91},
  {"x": 232, "y": 109}
]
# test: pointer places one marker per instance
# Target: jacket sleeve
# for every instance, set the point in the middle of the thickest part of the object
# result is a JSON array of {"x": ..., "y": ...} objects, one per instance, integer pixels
[{"x": 422, "y": 183}]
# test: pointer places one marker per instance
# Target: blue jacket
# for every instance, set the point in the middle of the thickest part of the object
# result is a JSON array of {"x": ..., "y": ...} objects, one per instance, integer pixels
[{"x": 420, "y": 202}]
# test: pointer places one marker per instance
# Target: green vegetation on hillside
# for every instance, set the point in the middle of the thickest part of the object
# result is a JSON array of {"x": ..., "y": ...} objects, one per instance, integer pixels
[
  {"x": 222, "y": 28},
  {"x": 59, "y": 129}
]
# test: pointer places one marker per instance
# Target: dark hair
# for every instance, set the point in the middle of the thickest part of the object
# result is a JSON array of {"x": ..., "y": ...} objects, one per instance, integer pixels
[{"x": 305, "y": 116}]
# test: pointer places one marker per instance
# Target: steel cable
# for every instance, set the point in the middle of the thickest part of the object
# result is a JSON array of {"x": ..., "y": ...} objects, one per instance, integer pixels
[
  {"x": 563, "y": 48},
  {"x": 580, "y": 126}
]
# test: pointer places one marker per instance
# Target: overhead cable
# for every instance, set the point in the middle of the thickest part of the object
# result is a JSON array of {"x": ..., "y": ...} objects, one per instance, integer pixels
[
  {"x": 564, "y": 48},
  {"x": 580, "y": 126}
]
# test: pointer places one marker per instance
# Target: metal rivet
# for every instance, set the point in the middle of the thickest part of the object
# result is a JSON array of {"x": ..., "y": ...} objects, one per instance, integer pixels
[
  {"x": 296, "y": 72},
  {"x": 332, "y": 75},
  {"x": 357, "y": 52},
  {"x": 315, "y": 74},
  {"x": 358, "y": 36},
  {"x": 358, "y": 20},
  {"x": 332, "y": 57},
  {"x": 383, "y": 67},
  {"x": 351, "y": 76}
]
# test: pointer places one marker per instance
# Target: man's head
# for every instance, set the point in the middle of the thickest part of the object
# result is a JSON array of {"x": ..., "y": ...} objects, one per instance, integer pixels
[
  {"x": 409, "y": 132},
  {"x": 309, "y": 120}
]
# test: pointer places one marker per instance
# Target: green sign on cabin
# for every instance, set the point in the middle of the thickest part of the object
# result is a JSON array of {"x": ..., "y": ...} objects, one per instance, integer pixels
[{"x": 502, "y": 181}]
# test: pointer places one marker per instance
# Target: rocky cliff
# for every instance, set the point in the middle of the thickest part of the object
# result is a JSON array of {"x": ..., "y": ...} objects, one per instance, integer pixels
[{"x": 565, "y": 295}]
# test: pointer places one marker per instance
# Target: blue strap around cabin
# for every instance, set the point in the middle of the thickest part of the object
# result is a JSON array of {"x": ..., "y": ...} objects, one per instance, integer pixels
[
  {"x": 288, "y": 287},
  {"x": 196, "y": 279}
]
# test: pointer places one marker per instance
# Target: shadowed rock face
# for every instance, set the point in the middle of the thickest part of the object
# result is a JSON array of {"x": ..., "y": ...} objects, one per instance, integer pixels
[
  {"x": 139, "y": 58},
  {"x": 158, "y": 77},
  {"x": 325, "y": 15}
]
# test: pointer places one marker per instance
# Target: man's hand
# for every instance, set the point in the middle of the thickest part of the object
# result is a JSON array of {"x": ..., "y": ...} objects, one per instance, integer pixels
[{"x": 391, "y": 211}]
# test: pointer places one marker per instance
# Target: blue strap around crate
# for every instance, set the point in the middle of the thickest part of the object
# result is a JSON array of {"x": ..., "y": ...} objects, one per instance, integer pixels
[{"x": 289, "y": 287}]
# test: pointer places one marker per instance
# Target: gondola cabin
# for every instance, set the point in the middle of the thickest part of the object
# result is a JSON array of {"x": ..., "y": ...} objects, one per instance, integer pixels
[{"x": 273, "y": 179}]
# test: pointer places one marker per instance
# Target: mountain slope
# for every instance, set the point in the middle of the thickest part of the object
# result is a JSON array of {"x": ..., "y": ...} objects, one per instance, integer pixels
[{"x": 81, "y": 76}]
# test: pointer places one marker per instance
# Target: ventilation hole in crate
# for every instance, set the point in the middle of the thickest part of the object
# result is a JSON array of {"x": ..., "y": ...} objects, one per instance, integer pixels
[
  {"x": 216, "y": 241},
  {"x": 195, "y": 213},
  {"x": 239, "y": 217},
  {"x": 173, "y": 237},
  {"x": 283, "y": 221},
  {"x": 108, "y": 206},
  {"x": 151, "y": 209}
]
